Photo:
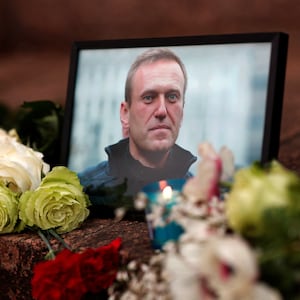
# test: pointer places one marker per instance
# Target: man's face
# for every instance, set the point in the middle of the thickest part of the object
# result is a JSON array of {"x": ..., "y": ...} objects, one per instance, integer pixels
[{"x": 155, "y": 114}]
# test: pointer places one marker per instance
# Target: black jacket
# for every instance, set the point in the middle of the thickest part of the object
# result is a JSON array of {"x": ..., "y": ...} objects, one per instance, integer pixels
[{"x": 122, "y": 174}]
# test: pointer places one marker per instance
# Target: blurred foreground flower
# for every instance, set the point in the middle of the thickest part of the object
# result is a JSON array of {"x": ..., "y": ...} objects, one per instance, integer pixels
[
  {"x": 206, "y": 262},
  {"x": 257, "y": 189},
  {"x": 263, "y": 206},
  {"x": 212, "y": 169},
  {"x": 201, "y": 209},
  {"x": 221, "y": 268}
]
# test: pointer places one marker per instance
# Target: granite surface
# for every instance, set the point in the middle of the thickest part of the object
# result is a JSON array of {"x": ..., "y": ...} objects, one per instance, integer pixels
[{"x": 19, "y": 252}]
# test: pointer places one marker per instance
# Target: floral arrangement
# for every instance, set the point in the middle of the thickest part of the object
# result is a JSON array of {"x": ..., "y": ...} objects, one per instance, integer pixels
[
  {"x": 240, "y": 240},
  {"x": 240, "y": 231},
  {"x": 51, "y": 202},
  {"x": 33, "y": 196}
]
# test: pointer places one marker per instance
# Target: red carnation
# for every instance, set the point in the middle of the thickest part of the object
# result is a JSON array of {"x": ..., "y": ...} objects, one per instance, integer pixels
[
  {"x": 71, "y": 275},
  {"x": 99, "y": 266},
  {"x": 59, "y": 278}
]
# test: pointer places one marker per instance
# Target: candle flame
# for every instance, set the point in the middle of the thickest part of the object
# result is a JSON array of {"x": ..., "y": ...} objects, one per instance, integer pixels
[{"x": 167, "y": 193}]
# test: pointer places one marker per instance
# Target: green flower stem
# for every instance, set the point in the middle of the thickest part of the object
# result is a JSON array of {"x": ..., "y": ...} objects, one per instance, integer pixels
[
  {"x": 50, "y": 254},
  {"x": 59, "y": 238}
]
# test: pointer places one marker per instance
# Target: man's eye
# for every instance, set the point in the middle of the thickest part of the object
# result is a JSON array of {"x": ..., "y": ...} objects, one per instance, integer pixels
[
  {"x": 148, "y": 98},
  {"x": 172, "y": 97}
]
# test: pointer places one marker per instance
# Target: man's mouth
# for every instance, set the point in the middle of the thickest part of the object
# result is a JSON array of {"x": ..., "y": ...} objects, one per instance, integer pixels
[{"x": 159, "y": 127}]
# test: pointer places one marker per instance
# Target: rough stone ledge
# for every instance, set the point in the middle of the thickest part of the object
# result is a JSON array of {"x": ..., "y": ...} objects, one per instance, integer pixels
[{"x": 19, "y": 252}]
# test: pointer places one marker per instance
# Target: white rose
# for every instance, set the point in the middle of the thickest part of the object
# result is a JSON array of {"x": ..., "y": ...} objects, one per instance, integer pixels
[{"x": 21, "y": 168}]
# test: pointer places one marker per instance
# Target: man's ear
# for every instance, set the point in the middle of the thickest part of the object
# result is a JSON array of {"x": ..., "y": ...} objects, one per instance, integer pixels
[{"x": 124, "y": 118}]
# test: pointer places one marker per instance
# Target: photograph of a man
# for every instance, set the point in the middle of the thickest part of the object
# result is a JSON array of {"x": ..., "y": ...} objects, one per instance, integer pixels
[{"x": 151, "y": 116}]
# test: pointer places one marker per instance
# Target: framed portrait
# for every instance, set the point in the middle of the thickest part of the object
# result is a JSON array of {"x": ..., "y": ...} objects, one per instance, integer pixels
[{"x": 234, "y": 94}]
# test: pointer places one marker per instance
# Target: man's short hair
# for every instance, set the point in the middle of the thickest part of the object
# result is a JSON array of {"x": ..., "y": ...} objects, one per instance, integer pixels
[{"x": 150, "y": 56}]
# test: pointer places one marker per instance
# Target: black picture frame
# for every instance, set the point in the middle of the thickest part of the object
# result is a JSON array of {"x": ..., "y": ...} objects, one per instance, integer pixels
[{"x": 274, "y": 83}]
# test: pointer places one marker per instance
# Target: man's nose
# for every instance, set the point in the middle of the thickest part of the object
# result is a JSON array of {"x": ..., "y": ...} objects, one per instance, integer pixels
[{"x": 161, "y": 110}]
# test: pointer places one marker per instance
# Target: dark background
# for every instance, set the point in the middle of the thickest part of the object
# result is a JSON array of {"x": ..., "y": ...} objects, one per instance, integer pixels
[{"x": 36, "y": 38}]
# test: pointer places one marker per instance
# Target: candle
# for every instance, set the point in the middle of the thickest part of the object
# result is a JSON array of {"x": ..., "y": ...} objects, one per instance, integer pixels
[{"x": 162, "y": 196}]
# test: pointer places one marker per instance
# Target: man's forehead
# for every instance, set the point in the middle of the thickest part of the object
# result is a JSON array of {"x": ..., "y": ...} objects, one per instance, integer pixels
[
  {"x": 157, "y": 62},
  {"x": 161, "y": 67}
]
